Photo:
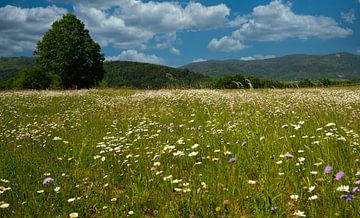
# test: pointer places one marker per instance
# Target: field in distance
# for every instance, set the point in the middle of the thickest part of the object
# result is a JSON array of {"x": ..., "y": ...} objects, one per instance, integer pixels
[{"x": 180, "y": 153}]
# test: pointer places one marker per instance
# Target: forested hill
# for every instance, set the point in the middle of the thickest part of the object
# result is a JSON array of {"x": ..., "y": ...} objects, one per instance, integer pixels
[
  {"x": 339, "y": 66},
  {"x": 119, "y": 73},
  {"x": 10, "y": 66},
  {"x": 143, "y": 75}
]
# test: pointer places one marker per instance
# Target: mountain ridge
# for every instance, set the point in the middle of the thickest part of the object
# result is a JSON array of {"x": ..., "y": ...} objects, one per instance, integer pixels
[{"x": 294, "y": 67}]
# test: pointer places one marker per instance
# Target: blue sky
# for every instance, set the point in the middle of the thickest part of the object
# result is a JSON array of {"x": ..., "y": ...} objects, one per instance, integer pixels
[{"x": 175, "y": 33}]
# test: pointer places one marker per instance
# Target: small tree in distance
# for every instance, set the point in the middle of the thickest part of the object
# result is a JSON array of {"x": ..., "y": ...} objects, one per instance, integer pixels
[{"x": 68, "y": 51}]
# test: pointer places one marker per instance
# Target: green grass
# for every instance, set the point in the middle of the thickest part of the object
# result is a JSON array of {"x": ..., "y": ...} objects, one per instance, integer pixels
[{"x": 113, "y": 151}]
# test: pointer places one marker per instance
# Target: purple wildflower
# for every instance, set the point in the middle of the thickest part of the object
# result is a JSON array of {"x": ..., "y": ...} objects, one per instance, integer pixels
[
  {"x": 357, "y": 182},
  {"x": 288, "y": 155},
  {"x": 232, "y": 160},
  {"x": 328, "y": 169},
  {"x": 48, "y": 180},
  {"x": 339, "y": 175},
  {"x": 355, "y": 189},
  {"x": 347, "y": 197}
]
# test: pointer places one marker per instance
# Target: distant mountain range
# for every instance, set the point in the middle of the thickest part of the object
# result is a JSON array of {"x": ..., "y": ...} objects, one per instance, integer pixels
[{"x": 339, "y": 66}]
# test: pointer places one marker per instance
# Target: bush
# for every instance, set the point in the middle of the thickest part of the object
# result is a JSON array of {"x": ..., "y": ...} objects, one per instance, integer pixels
[
  {"x": 34, "y": 78},
  {"x": 306, "y": 83}
]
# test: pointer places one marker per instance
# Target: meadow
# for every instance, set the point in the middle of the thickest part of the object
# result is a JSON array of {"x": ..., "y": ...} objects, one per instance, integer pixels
[{"x": 180, "y": 153}]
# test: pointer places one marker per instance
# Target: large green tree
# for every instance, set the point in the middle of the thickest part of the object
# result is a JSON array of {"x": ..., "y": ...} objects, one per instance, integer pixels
[{"x": 68, "y": 51}]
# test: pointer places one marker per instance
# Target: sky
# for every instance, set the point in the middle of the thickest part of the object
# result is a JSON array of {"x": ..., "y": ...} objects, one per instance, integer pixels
[{"x": 179, "y": 32}]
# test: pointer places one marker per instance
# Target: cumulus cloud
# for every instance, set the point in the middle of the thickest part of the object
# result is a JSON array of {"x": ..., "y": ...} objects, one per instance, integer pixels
[
  {"x": 199, "y": 60},
  {"x": 112, "y": 30},
  {"x": 257, "y": 57},
  {"x": 275, "y": 22},
  {"x": 175, "y": 51},
  {"x": 134, "y": 55},
  {"x": 132, "y": 23},
  {"x": 226, "y": 44},
  {"x": 349, "y": 16},
  {"x": 21, "y": 28}
]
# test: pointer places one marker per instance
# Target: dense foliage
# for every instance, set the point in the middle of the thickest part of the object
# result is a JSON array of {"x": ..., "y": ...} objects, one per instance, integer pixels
[
  {"x": 142, "y": 75},
  {"x": 33, "y": 78},
  {"x": 67, "y": 50},
  {"x": 341, "y": 66}
]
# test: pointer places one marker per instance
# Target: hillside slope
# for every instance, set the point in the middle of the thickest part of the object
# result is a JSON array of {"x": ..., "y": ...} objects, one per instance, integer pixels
[
  {"x": 119, "y": 73},
  {"x": 10, "y": 66},
  {"x": 143, "y": 75},
  {"x": 339, "y": 66}
]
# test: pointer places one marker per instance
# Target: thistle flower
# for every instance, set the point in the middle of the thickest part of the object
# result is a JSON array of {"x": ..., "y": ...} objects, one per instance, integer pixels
[
  {"x": 328, "y": 169},
  {"x": 339, "y": 175}
]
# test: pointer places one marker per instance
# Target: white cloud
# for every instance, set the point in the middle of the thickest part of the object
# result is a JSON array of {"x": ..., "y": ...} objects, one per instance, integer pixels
[
  {"x": 21, "y": 28},
  {"x": 175, "y": 51},
  {"x": 349, "y": 16},
  {"x": 132, "y": 23},
  {"x": 226, "y": 44},
  {"x": 199, "y": 60},
  {"x": 257, "y": 57},
  {"x": 112, "y": 30},
  {"x": 276, "y": 21},
  {"x": 134, "y": 55},
  {"x": 238, "y": 21}
]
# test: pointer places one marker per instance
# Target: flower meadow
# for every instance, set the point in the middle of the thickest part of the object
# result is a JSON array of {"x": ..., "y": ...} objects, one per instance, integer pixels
[{"x": 180, "y": 153}]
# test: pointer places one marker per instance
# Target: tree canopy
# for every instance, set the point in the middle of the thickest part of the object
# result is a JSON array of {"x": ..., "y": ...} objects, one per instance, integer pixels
[{"x": 68, "y": 51}]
